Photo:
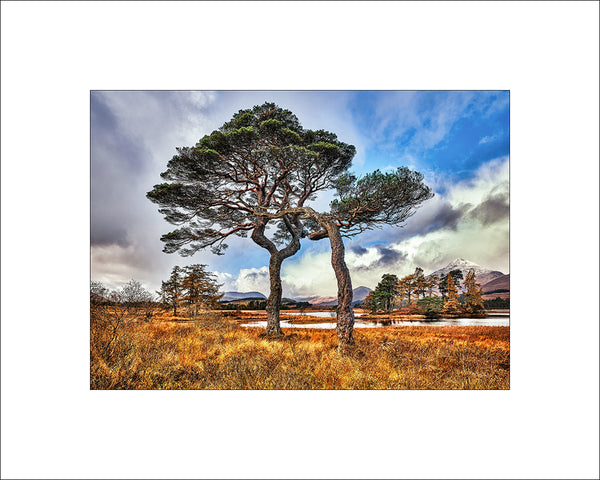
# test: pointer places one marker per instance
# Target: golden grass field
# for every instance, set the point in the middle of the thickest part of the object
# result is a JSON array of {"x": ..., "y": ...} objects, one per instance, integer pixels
[{"x": 215, "y": 352}]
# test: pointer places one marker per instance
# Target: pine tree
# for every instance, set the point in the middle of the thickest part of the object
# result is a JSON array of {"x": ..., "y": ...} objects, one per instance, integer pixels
[
  {"x": 432, "y": 281},
  {"x": 419, "y": 282},
  {"x": 473, "y": 295},
  {"x": 451, "y": 305},
  {"x": 370, "y": 302},
  {"x": 171, "y": 290},
  {"x": 406, "y": 287},
  {"x": 385, "y": 291},
  {"x": 200, "y": 287}
]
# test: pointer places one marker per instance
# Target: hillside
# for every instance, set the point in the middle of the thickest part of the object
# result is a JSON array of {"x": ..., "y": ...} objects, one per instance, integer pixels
[
  {"x": 229, "y": 296},
  {"x": 358, "y": 295},
  {"x": 499, "y": 287}
]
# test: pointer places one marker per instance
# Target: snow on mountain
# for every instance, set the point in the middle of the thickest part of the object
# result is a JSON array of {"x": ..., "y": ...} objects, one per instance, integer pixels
[
  {"x": 482, "y": 275},
  {"x": 229, "y": 296}
]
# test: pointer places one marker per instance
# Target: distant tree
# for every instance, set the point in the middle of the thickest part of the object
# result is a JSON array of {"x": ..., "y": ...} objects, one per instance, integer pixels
[
  {"x": 302, "y": 306},
  {"x": 384, "y": 292},
  {"x": 497, "y": 302},
  {"x": 443, "y": 287},
  {"x": 200, "y": 287},
  {"x": 134, "y": 293},
  {"x": 406, "y": 288},
  {"x": 473, "y": 295},
  {"x": 456, "y": 276},
  {"x": 171, "y": 290},
  {"x": 370, "y": 303},
  {"x": 98, "y": 293},
  {"x": 431, "y": 282},
  {"x": 419, "y": 282},
  {"x": 137, "y": 299},
  {"x": 401, "y": 292},
  {"x": 451, "y": 305}
]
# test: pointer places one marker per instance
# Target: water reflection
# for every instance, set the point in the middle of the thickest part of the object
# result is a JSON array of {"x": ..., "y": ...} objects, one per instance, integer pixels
[
  {"x": 309, "y": 314},
  {"x": 496, "y": 321},
  {"x": 286, "y": 324}
]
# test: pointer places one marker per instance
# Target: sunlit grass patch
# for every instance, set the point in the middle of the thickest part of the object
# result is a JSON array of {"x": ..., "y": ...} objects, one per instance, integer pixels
[{"x": 214, "y": 352}]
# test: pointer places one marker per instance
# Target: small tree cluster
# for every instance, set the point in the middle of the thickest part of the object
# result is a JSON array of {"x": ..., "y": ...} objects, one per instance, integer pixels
[
  {"x": 418, "y": 289},
  {"x": 415, "y": 286},
  {"x": 111, "y": 313},
  {"x": 190, "y": 286},
  {"x": 132, "y": 300}
]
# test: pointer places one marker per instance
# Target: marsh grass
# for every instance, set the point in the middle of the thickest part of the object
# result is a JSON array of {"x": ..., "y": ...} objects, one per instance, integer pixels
[{"x": 214, "y": 352}]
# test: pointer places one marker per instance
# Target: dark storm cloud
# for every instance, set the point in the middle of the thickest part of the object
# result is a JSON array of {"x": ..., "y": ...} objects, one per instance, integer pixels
[
  {"x": 116, "y": 161},
  {"x": 387, "y": 257},
  {"x": 358, "y": 250},
  {"x": 446, "y": 217},
  {"x": 133, "y": 135},
  {"x": 494, "y": 208},
  {"x": 438, "y": 215}
]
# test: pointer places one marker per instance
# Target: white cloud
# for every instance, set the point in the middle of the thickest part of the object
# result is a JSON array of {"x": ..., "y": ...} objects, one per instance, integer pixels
[
  {"x": 488, "y": 139},
  {"x": 253, "y": 279},
  {"x": 486, "y": 178}
]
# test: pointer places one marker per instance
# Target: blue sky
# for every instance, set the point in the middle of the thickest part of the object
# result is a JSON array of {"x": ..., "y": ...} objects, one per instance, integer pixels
[{"x": 458, "y": 139}]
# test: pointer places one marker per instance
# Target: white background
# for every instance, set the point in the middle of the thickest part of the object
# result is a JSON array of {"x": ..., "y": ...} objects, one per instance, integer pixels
[{"x": 53, "y": 54}]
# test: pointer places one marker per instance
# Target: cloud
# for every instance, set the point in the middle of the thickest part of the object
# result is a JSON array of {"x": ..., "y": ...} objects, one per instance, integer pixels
[
  {"x": 114, "y": 265},
  {"x": 476, "y": 226},
  {"x": 494, "y": 208},
  {"x": 377, "y": 256},
  {"x": 129, "y": 146},
  {"x": 253, "y": 279},
  {"x": 469, "y": 221},
  {"x": 421, "y": 120},
  {"x": 489, "y": 139}
]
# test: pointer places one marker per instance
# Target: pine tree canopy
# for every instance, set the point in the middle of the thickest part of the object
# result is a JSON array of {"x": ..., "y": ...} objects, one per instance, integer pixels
[{"x": 262, "y": 160}]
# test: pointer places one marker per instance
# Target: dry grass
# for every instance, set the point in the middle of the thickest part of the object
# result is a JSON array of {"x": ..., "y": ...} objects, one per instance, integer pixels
[{"x": 216, "y": 353}]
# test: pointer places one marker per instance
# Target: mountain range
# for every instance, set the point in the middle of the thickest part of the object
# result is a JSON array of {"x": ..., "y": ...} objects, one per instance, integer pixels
[
  {"x": 493, "y": 283},
  {"x": 359, "y": 295}
]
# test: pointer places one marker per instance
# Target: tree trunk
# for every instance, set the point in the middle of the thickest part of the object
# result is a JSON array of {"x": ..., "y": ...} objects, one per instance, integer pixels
[
  {"x": 274, "y": 300},
  {"x": 277, "y": 257},
  {"x": 345, "y": 313}
]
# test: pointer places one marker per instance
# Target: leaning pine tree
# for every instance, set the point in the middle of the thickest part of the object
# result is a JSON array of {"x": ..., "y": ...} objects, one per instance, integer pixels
[
  {"x": 375, "y": 200},
  {"x": 260, "y": 162}
]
